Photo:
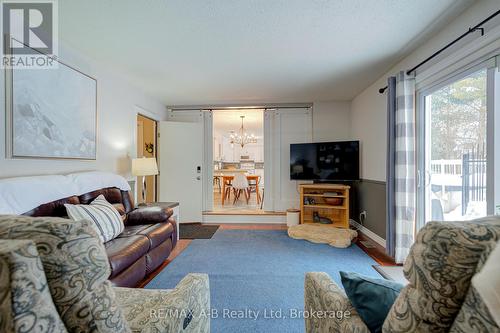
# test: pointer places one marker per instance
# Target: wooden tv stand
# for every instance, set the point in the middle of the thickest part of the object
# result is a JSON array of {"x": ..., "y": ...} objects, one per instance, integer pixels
[{"x": 317, "y": 194}]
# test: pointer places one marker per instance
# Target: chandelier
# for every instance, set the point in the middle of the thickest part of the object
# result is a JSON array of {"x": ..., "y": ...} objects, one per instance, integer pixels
[{"x": 242, "y": 138}]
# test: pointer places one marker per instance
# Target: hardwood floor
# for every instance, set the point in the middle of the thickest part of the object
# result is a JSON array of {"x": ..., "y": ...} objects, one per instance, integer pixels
[
  {"x": 239, "y": 206},
  {"x": 243, "y": 212},
  {"x": 374, "y": 250}
]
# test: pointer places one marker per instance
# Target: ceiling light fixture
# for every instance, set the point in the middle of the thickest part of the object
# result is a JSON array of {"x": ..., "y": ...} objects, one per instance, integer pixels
[{"x": 243, "y": 138}]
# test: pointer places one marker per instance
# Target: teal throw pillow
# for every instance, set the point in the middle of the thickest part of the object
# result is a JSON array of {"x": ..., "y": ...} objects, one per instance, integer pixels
[{"x": 371, "y": 297}]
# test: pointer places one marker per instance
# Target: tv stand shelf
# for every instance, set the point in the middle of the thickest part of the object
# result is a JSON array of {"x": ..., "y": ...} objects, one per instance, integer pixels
[
  {"x": 326, "y": 196},
  {"x": 314, "y": 197},
  {"x": 324, "y": 206}
]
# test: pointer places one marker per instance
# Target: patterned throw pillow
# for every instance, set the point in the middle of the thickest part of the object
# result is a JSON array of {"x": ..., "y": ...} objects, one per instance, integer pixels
[
  {"x": 77, "y": 269},
  {"x": 25, "y": 301},
  {"x": 475, "y": 315},
  {"x": 107, "y": 221},
  {"x": 439, "y": 269}
]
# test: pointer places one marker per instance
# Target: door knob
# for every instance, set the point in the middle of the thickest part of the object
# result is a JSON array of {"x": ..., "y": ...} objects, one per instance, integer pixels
[{"x": 198, "y": 178}]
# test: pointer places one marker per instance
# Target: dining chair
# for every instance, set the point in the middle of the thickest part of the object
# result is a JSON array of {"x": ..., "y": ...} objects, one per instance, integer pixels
[
  {"x": 216, "y": 182},
  {"x": 227, "y": 186},
  {"x": 253, "y": 186},
  {"x": 240, "y": 185},
  {"x": 262, "y": 199}
]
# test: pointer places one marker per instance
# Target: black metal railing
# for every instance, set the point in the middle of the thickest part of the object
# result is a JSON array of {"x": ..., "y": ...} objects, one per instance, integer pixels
[{"x": 473, "y": 176}]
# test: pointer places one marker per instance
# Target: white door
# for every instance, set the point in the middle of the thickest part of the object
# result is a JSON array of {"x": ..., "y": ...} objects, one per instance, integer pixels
[
  {"x": 457, "y": 140},
  {"x": 180, "y": 163},
  {"x": 283, "y": 127}
]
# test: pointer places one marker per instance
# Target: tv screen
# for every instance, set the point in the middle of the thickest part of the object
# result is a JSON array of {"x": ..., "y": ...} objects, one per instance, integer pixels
[{"x": 327, "y": 161}]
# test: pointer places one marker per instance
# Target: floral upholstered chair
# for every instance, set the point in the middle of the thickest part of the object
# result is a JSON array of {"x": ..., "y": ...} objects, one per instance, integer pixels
[
  {"x": 439, "y": 296},
  {"x": 54, "y": 278}
]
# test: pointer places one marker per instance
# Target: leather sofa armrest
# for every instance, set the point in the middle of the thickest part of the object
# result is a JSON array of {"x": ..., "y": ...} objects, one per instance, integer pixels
[{"x": 148, "y": 215}]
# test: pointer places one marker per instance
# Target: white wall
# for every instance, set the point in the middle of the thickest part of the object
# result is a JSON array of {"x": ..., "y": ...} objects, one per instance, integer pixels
[
  {"x": 368, "y": 109},
  {"x": 331, "y": 121},
  {"x": 369, "y": 125},
  {"x": 117, "y": 105}
]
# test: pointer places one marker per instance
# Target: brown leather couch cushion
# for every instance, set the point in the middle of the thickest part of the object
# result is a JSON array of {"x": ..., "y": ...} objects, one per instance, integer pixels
[
  {"x": 120, "y": 199},
  {"x": 156, "y": 233},
  {"x": 54, "y": 208},
  {"x": 148, "y": 215},
  {"x": 132, "y": 275},
  {"x": 113, "y": 196},
  {"x": 157, "y": 256},
  {"x": 124, "y": 251}
]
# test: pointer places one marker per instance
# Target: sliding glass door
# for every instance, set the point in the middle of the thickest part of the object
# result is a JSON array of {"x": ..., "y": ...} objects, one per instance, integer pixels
[{"x": 456, "y": 148}]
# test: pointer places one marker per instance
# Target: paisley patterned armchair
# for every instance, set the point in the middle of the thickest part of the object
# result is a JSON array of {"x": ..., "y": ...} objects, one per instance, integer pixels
[
  {"x": 439, "y": 296},
  {"x": 54, "y": 278}
]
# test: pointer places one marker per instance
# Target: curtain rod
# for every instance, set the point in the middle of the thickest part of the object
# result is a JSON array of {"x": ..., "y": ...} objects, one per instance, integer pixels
[
  {"x": 230, "y": 107},
  {"x": 477, "y": 27}
]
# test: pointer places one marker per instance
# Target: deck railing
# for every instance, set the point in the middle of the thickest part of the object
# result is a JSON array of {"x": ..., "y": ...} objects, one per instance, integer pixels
[
  {"x": 469, "y": 172},
  {"x": 474, "y": 176}
]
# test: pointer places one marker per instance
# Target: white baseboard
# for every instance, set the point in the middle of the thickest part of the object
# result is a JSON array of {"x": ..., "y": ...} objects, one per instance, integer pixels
[
  {"x": 376, "y": 238},
  {"x": 239, "y": 219}
]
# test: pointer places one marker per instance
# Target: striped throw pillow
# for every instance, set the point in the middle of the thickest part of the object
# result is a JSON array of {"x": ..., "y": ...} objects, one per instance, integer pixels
[{"x": 107, "y": 222}]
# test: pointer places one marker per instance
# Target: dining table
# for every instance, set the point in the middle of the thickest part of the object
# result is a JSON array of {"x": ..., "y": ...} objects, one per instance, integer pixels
[{"x": 228, "y": 178}]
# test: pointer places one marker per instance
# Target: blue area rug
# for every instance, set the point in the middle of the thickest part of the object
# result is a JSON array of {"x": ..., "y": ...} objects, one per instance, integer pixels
[{"x": 259, "y": 270}]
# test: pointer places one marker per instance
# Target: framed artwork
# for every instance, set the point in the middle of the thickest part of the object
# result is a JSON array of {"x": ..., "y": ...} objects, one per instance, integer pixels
[{"x": 51, "y": 113}]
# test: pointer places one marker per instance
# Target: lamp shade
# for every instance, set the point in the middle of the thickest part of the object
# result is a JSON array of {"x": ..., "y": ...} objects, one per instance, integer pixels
[{"x": 144, "y": 166}]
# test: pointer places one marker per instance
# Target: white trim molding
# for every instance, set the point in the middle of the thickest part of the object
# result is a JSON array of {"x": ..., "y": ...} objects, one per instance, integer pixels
[{"x": 373, "y": 236}]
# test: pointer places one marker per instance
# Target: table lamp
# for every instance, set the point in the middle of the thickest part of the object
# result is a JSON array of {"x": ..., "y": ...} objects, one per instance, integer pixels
[{"x": 144, "y": 167}]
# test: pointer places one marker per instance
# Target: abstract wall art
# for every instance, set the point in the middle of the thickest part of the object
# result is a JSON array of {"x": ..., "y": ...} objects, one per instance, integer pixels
[{"x": 52, "y": 113}]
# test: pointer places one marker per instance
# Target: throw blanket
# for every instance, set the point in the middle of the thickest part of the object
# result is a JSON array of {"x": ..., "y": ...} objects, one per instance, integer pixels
[{"x": 21, "y": 194}]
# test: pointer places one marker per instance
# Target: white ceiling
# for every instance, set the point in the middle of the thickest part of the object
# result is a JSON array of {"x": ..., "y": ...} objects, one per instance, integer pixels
[
  {"x": 243, "y": 51},
  {"x": 226, "y": 121}
]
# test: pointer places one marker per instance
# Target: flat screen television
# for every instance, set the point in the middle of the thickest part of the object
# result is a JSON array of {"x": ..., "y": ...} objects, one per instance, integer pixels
[{"x": 325, "y": 161}]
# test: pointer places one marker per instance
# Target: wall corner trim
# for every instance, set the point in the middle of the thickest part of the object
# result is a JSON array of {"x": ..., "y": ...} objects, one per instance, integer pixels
[{"x": 376, "y": 238}]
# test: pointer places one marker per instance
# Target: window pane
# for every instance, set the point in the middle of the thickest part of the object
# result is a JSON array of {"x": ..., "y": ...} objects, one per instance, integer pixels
[{"x": 456, "y": 160}]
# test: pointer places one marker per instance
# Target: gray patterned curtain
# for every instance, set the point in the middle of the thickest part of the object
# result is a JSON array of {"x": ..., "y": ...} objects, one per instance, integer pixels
[{"x": 401, "y": 166}]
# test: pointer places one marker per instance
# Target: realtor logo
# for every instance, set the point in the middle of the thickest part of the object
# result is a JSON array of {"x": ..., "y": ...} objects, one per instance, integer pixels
[{"x": 29, "y": 30}]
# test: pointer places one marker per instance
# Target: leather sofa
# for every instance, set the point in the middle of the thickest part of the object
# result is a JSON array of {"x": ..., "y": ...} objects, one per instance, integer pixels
[{"x": 149, "y": 237}]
